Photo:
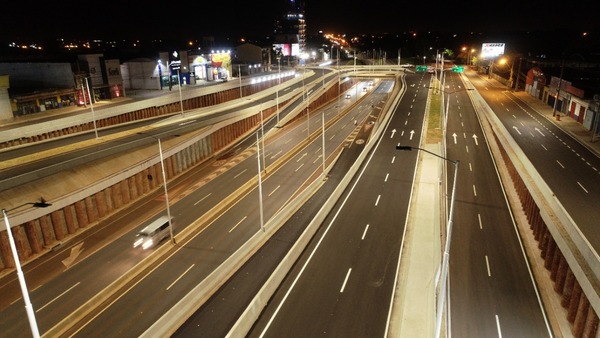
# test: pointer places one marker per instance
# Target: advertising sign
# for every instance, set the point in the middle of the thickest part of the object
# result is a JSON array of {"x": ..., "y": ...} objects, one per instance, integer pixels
[{"x": 492, "y": 50}]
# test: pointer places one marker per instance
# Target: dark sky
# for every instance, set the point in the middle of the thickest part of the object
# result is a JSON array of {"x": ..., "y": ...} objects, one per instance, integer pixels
[{"x": 132, "y": 18}]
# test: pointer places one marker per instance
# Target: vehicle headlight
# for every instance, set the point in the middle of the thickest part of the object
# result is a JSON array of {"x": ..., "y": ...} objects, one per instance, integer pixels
[{"x": 147, "y": 244}]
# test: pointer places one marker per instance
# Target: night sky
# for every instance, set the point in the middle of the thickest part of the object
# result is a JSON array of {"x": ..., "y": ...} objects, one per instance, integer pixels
[{"x": 27, "y": 20}]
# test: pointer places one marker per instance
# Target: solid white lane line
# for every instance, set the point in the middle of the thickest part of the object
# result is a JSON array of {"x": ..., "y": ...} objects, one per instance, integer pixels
[{"x": 346, "y": 280}]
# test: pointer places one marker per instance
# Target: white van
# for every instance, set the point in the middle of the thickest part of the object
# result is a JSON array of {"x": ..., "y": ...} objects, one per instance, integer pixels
[{"x": 152, "y": 234}]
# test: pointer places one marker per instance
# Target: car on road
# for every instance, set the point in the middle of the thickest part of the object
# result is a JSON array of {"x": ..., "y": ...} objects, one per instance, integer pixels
[{"x": 348, "y": 96}]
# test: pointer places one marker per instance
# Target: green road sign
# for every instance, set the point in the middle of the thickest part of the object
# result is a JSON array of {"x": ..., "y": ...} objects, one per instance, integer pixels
[
  {"x": 458, "y": 69},
  {"x": 421, "y": 68}
]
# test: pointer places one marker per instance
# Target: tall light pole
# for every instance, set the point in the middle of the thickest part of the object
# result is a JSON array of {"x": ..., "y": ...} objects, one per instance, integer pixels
[
  {"x": 240, "y": 76},
  {"x": 323, "y": 138},
  {"x": 28, "y": 307},
  {"x": 262, "y": 133},
  {"x": 262, "y": 222},
  {"x": 91, "y": 106},
  {"x": 180, "y": 97},
  {"x": 278, "y": 84},
  {"x": 562, "y": 67},
  {"x": 308, "y": 114},
  {"x": 446, "y": 258},
  {"x": 164, "y": 176}
]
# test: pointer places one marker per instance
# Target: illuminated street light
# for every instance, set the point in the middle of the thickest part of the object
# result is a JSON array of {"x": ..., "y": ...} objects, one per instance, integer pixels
[
  {"x": 28, "y": 307},
  {"x": 446, "y": 258}
]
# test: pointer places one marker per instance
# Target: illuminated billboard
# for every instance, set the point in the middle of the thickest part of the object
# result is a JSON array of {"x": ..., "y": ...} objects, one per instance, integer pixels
[
  {"x": 491, "y": 50},
  {"x": 287, "y": 49}
]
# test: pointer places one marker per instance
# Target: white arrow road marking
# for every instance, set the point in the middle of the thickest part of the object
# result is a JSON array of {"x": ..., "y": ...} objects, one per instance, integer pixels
[
  {"x": 412, "y": 132},
  {"x": 454, "y": 135},
  {"x": 517, "y": 129},
  {"x": 475, "y": 139},
  {"x": 393, "y": 132},
  {"x": 75, "y": 251}
]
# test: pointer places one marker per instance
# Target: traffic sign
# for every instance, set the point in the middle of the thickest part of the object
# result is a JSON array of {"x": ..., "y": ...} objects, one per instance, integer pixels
[
  {"x": 458, "y": 69},
  {"x": 421, "y": 68}
]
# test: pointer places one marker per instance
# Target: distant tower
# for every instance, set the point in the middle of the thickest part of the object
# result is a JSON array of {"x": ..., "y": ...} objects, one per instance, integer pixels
[{"x": 291, "y": 28}]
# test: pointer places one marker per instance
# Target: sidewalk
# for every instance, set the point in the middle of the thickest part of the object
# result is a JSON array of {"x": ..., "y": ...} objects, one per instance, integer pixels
[{"x": 566, "y": 123}]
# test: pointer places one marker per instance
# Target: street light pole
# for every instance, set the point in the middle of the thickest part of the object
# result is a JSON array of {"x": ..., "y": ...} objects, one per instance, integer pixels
[
  {"x": 162, "y": 166},
  {"x": 180, "y": 97},
  {"x": 262, "y": 223},
  {"x": 446, "y": 258},
  {"x": 323, "y": 138},
  {"x": 28, "y": 307},
  {"x": 278, "y": 84},
  {"x": 262, "y": 133},
  {"x": 240, "y": 76},
  {"x": 91, "y": 106}
]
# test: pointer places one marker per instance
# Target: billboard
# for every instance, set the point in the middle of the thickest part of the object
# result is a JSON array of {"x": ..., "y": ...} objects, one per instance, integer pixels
[
  {"x": 287, "y": 49},
  {"x": 491, "y": 50}
]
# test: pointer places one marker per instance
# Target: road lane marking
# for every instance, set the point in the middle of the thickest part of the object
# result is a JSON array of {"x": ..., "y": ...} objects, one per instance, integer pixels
[
  {"x": 241, "y": 172},
  {"x": 474, "y": 190},
  {"x": 546, "y": 149},
  {"x": 470, "y": 167},
  {"x": 393, "y": 159},
  {"x": 584, "y": 189},
  {"x": 386, "y": 177},
  {"x": 377, "y": 202},
  {"x": 498, "y": 326},
  {"x": 480, "y": 224},
  {"x": 346, "y": 280},
  {"x": 180, "y": 276},
  {"x": 560, "y": 164},
  {"x": 487, "y": 263},
  {"x": 365, "y": 232},
  {"x": 299, "y": 167},
  {"x": 238, "y": 223},
  {"x": 203, "y": 198},
  {"x": 57, "y": 297},
  {"x": 274, "y": 190}
]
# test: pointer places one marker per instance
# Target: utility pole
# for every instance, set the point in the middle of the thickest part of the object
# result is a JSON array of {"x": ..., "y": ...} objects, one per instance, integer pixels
[{"x": 562, "y": 67}]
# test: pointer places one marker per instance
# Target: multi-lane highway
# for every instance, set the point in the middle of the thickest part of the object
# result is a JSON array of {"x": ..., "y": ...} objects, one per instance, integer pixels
[
  {"x": 343, "y": 286},
  {"x": 571, "y": 170},
  {"x": 57, "y": 299},
  {"x": 492, "y": 291}
]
